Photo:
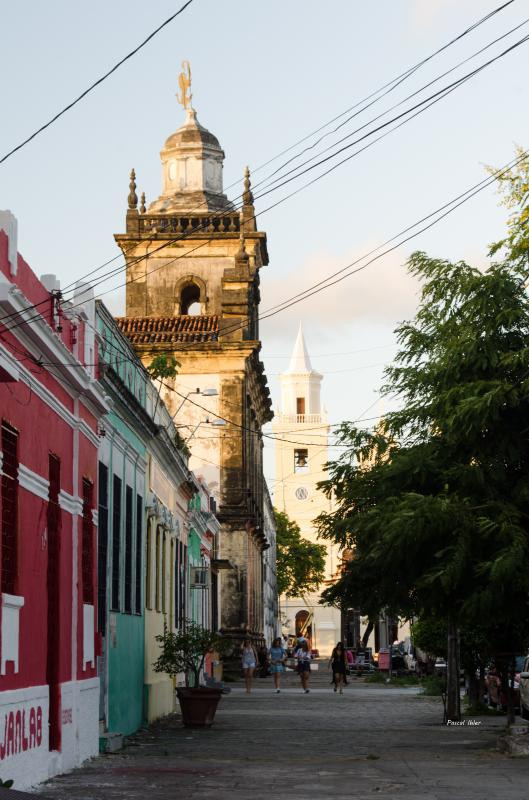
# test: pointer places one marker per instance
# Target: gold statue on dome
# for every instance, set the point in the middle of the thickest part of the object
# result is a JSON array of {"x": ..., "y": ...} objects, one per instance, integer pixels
[{"x": 184, "y": 81}]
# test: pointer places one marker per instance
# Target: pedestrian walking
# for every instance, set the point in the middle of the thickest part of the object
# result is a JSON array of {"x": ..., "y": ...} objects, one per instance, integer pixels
[
  {"x": 249, "y": 662},
  {"x": 262, "y": 655},
  {"x": 277, "y": 656},
  {"x": 339, "y": 667},
  {"x": 303, "y": 656}
]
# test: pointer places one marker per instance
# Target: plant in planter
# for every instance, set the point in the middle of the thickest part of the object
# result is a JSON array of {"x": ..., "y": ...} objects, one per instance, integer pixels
[{"x": 185, "y": 652}]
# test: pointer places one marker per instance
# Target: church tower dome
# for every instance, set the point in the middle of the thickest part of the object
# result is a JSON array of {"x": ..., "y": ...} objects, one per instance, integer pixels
[{"x": 192, "y": 162}]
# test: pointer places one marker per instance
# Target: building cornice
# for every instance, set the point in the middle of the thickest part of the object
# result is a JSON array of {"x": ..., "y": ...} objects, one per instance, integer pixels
[{"x": 37, "y": 336}]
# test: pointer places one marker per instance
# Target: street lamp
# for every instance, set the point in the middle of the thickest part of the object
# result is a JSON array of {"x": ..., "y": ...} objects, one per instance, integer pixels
[
  {"x": 204, "y": 392},
  {"x": 216, "y": 423}
]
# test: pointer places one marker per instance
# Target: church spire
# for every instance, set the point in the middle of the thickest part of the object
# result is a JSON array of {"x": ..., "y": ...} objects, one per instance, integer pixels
[
  {"x": 301, "y": 386},
  {"x": 300, "y": 359}
]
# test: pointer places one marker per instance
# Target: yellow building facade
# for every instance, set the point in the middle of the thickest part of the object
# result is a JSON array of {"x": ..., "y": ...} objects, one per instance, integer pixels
[{"x": 302, "y": 438}]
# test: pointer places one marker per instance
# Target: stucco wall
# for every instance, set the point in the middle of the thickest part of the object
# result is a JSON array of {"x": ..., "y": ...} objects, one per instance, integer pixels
[{"x": 125, "y": 657}]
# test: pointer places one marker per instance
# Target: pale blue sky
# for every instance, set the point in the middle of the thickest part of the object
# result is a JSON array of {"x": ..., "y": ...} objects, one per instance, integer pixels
[{"x": 264, "y": 74}]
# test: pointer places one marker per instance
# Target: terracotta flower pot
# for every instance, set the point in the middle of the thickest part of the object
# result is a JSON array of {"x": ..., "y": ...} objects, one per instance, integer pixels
[{"x": 198, "y": 706}]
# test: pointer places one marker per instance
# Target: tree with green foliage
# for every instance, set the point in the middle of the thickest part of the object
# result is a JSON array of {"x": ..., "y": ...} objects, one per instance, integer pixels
[
  {"x": 300, "y": 564},
  {"x": 429, "y": 634},
  {"x": 162, "y": 367},
  {"x": 435, "y": 502}
]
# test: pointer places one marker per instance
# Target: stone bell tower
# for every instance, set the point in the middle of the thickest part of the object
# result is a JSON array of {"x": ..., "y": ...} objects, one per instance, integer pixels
[{"x": 193, "y": 263}]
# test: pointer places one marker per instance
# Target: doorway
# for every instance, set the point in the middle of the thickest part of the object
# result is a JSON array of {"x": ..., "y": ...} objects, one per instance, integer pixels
[{"x": 53, "y": 596}]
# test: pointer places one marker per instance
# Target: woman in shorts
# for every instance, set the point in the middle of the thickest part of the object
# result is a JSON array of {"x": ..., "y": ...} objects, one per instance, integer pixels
[
  {"x": 277, "y": 656},
  {"x": 248, "y": 663},
  {"x": 303, "y": 656}
]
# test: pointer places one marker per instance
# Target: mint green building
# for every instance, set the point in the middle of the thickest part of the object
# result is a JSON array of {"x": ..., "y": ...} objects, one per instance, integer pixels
[{"x": 123, "y": 462}]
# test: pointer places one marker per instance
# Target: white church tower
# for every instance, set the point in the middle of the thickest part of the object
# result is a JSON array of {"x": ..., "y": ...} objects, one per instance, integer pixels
[{"x": 302, "y": 433}]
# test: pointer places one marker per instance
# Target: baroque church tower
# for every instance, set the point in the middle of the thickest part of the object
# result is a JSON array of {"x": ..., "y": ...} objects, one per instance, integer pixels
[
  {"x": 301, "y": 451},
  {"x": 192, "y": 292}
]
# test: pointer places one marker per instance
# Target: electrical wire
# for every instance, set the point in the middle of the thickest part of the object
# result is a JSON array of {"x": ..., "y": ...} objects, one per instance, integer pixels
[
  {"x": 165, "y": 244},
  {"x": 421, "y": 106},
  {"x": 418, "y": 108},
  {"x": 397, "y": 80},
  {"x": 95, "y": 84},
  {"x": 447, "y": 208},
  {"x": 379, "y": 116}
]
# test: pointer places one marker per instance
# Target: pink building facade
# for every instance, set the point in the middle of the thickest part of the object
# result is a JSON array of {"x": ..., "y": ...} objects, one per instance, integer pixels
[{"x": 50, "y": 407}]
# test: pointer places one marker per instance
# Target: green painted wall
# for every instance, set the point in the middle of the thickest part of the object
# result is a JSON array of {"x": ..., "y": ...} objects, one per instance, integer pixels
[{"x": 126, "y": 662}]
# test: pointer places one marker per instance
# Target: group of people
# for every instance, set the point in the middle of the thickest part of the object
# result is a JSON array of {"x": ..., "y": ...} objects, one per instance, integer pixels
[{"x": 277, "y": 657}]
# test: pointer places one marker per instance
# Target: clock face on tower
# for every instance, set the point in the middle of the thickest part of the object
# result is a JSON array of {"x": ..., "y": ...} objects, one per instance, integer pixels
[{"x": 302, "y": 493}]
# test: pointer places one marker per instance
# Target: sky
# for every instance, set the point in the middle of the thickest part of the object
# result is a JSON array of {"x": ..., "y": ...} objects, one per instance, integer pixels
[{"x": 264, "y": 76}]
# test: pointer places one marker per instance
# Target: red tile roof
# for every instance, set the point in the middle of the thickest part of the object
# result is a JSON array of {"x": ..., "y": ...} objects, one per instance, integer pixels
[{"x": 151, "y": 330}]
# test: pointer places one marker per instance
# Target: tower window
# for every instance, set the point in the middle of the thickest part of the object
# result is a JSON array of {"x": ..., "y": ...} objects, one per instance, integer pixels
[
  {"x": 300, "y": 407},
  {"x": 301, "y": 460},
  {"x": 190, "y": 300}
]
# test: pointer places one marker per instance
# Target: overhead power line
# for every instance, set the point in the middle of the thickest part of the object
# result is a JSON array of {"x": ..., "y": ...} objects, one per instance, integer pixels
[
  {"x": 446, "y": 208},
  {"x": 95, "y": 84},
  {"x": 279, "y": 169},
  {"x": 400, "y": 78},
  {"x": 419, "y": 107},
  {"x": 392, "y": 83}
]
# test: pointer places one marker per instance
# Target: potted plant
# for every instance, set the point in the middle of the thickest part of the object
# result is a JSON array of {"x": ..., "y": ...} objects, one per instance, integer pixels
[{"x": 185, "y": 652}]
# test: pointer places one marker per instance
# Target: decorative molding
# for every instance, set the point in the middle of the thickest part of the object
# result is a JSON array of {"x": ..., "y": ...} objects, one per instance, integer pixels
[
  {"x": 35, "y": 331},
  {"x": 32, "y": 482},
  {"x": 9, "y": 224},
  {"x": 44, "y": 394},
  {"x": 70, "y": 503},
  {"x": 10, "y": 366}
]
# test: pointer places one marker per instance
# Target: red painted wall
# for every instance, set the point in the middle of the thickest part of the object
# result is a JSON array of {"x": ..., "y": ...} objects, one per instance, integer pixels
[{"x": 44, "y": 430}]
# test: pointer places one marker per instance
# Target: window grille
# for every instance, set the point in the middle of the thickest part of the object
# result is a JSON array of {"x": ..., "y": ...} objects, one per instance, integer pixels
[
  {"x": 139, "y": 549},
  {"x": 102, "y": 548},
  {"x": 88, "y": 543},
  {"x": 158, "y": 568},
  {"x": 128, "y": 549},
  {"x": 116, "y": 542},
  {"x": 53, "y": 582},
  {"x": 9, "y": 508}
]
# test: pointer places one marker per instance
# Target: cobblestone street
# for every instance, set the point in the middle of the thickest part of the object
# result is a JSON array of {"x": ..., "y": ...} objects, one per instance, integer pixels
[{"x": 372, "y": 741}]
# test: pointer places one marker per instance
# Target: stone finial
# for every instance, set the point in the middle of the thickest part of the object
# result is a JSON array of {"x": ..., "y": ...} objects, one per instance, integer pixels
[
  {"x": 242, "y": 255},
  {"x": 247, "y": 196},
  {"x": 142, "y": 203},
  {"x": 133, "y": 197}
]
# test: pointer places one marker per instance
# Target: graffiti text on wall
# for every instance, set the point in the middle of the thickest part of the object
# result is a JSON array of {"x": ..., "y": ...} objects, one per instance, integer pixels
[{"x": 21, "y": 732}]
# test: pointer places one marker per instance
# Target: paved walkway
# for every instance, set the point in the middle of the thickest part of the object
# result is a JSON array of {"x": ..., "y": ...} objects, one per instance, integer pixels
[{"x": 374, "y": 741}]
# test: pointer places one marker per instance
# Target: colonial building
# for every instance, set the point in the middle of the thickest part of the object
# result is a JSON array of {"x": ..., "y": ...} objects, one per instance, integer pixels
[
  {"x": 272, "y": 626},
  {"x": 152, "y": 533},
  {"x": 50, "y": 410},
  {"x": 302, "y": 432},
  {"x": 193, "y": 266}
]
